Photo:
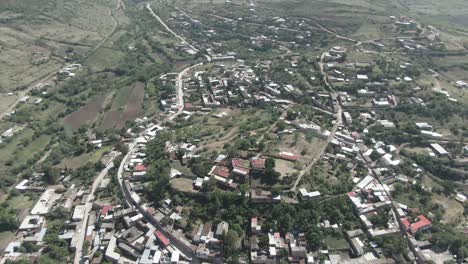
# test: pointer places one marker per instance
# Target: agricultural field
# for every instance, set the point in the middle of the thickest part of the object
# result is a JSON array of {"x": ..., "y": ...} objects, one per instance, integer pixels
[
  {"x": 126, "y": 106},
  {"x": 86, "y": 114}
]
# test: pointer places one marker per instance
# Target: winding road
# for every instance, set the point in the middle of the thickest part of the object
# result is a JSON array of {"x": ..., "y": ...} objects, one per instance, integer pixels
[
  {"x": 180, "y": 90},
  {"x": 129, "y": 200}
]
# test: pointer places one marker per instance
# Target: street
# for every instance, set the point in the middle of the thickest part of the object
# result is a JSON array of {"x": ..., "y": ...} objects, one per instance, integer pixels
[{"x": 88, "y": 206}]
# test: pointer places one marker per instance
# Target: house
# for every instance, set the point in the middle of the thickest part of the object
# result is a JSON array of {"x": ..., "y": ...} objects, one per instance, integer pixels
[
  {"x": 106, "y": 210},
  {"x": 388, "y": 160},
  {"x": 305, "y": 195},
  {"x": 139, "y": 168},
  {"x": 175, "y": 257},
  {"x": 206, "y": 233},
  {"x": 240, "y": 167},
  {"x": 221, "y": 229},
  {"x": 387, "y": 124},
  {"x": 163, "y": 240},
  {"x": 357, "y": 246},
  {"x": 45, "y": 202},
  {"x": 258, "y": 164},
  {"x": 255, "y": 228},
  {"x": 347, "y": 118},
  {"x": 288, "y": 156},
  {"x": 362, "y": 77},
  {"x": 110, "y": 253},
  {"x": 439, "y": 150},
  {"x": 424, "y": 126},
  {"x": 198, "y": 183},
  {"x": 460, "y": 197},
  {"x": 421, "y": 224},
  {"x": 8, "y": 133},
  {"x": 431, "y": 134},
  {"x": 220, "y": 171},
  {"x": 31, "y": 222}
]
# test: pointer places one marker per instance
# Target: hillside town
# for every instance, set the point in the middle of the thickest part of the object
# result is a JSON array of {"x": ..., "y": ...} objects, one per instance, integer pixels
[{"x": 293, "y": 144}]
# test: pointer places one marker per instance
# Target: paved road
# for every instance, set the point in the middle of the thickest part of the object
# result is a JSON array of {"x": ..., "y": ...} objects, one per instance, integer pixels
[
  {"x": 124, "y": 188},
  {"x": 180, "y": 90},
  {"x": 394, "y": 210},
  {"x": 148, "y": 6},
  {"x": 88, "y": 206}
]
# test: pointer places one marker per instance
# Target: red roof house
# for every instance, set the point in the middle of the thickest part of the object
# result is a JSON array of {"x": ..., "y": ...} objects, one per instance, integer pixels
[
  {"x": 220, "y": 171},
  {"x": 422, "y": 224},
  {"x": 258, "y": 164},
  {"x": 140, "y": 167},
  {"x": 162, "y": 238},
  {"x": 288, "y": 156},
  {"x": 406, "y": 223},
  {"x": 240, "y": 163},
  {"x": 106, "y": 209}
]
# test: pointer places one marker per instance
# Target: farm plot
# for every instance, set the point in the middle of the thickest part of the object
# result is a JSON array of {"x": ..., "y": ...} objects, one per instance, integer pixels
[
  {"x": 86, "y": 114},
  {"x": 126, "y": 106}
]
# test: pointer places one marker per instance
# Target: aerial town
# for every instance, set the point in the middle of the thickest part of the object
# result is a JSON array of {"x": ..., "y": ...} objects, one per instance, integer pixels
[{"x": 236, "y": 132}]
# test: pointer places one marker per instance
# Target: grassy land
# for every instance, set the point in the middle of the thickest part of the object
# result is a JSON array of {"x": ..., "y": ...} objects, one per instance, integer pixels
[
  {"x": 453, "y": 209},
  {"x": 6, "y": 101},
  {"x": 12, "y": 146},
  {"x": 20, "y": 202},
  {"x": 5, "y": 238},
  {"x": 334, "y": 243},
  {"x": 76, "y": 162},
  {"x": 34, "y": 147},
  {"x": 104, "y": 58}
]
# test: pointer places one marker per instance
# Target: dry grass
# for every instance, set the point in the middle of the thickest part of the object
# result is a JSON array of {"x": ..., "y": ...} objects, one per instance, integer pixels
[
  {"x": 183, "y": 185},
  {"x": 6, "y": 101},
  {"x": 49, "y": 27},
  {"x": 453, "y": 209}
]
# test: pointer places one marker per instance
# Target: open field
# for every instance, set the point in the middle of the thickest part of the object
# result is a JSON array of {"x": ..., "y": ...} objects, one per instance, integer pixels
[
  {"x": 334, "y": 243},
  {"x": 5, "y": 239},
  {"x": 33, "y": 148},
  {"x": 286, "y": 168},
  {"x": 104, "y": 58},
  {"x": 6, "y": 101},
  {"x": 183, "y": 185},
  {"x": 76, "y": 162},
  {"x": 453, "y": 209}
]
